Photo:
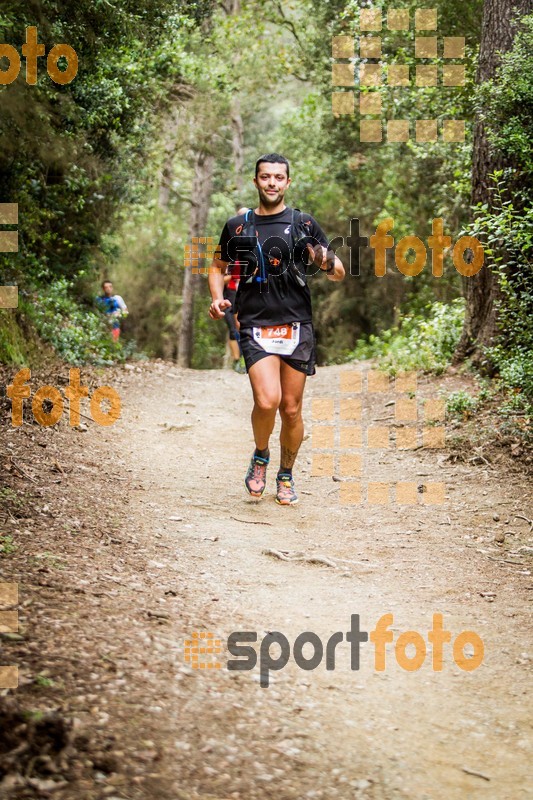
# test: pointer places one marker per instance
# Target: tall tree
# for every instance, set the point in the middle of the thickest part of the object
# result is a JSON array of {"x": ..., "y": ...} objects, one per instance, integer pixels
[
  {"x": 201, "y": 196},
  {"x": 500, "y": 22},
  {"x": 237, "y": 130}
]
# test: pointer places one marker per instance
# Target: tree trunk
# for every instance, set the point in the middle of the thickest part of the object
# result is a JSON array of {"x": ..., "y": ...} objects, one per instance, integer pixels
[
  {"x": 238, "y": 149},
  {"x": 201, "y": 193},
  {"x": 500, "y": 19}
]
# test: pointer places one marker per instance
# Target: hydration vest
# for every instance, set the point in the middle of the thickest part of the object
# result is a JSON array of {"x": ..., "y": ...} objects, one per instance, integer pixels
[{"x": 299, "y": 232}]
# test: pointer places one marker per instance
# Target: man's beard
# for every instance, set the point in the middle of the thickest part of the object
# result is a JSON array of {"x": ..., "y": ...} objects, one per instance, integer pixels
[{"x": 271, "y": 200}]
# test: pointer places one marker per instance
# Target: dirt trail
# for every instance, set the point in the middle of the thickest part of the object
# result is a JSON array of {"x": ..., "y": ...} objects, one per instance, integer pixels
[{"x": 192, "y": 559}]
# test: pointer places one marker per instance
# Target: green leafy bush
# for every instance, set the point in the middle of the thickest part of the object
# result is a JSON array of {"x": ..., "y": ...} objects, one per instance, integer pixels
[
  {"x": 506, "y": 103},
  {"x": 461, "y": 404},
  {"x": 506, "y": 227},
  {"x": 78, "y": 334},
  {"x": 420, "y": 342},
  {"x": 507, "y": 233}
]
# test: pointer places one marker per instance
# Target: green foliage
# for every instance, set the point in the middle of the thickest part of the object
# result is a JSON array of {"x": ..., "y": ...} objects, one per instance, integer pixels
[
  {"x": 13, "y": 349},
  {"x": 74, "y": 157},
  {"x": 506, "y": 103},
  {"x": 16, "y": 503},
  {"x": 209, "y": 338},
  {"x": 420, "y": 343},
  {"x": 461, "y": 404},
  {"x": 7, "y": 545},
  {"x": 145, "y": 255},
  {"x": 35, "y": 716},
  {"x": 79, "y": 334},
  {"x": 159, "y": 80},
  {"x": 337, "y": 177},
  {"x": 506, "y": 224},
  {"x": 507, "y": 232},
  {"x": 42, "y": 680}
]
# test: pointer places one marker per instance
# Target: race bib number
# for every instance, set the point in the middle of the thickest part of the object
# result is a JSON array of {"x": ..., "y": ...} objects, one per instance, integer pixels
[{"x": 281, "y": 340}]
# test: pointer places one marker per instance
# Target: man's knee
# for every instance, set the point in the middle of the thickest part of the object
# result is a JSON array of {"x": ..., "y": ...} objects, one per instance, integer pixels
[
  {"x": 290, "y": 411},
  {"x": 267, "y": 402}
]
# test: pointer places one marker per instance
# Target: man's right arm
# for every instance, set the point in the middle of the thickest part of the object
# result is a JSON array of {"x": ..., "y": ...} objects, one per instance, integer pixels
[
  {"x": 217, "y": 272},
  {"x": 216, "y": 287}
]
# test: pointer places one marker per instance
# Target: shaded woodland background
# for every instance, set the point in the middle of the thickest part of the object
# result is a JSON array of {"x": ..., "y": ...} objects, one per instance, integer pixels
[{"x": 155, "y": 141}]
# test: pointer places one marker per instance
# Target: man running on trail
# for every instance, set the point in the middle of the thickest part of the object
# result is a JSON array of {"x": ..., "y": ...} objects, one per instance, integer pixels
[
  {"x": 274, "y": 310},
  {"x": 114, "y": 307}
]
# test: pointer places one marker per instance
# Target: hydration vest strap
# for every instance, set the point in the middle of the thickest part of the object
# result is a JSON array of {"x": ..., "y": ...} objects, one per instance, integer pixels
[{"x": 296, "y": 221}]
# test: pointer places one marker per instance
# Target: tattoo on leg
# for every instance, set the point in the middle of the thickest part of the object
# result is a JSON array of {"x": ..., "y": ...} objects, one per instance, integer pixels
[{"x": 288, "y": 457}]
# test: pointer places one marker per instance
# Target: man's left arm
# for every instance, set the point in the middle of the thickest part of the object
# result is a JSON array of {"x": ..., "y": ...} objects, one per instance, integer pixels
[
  {"x": 324, "y": 257},
  {"x": 329, "y": 263}
]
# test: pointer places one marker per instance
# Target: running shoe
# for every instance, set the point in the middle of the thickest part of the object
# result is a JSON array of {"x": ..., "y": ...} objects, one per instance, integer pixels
[
  {"x": 285, "y": 495},
  {"x": 255, "y": 480}
]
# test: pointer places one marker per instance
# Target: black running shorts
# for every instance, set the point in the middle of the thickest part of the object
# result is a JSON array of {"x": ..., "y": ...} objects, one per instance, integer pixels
[{"x": 302, "y": 359}]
